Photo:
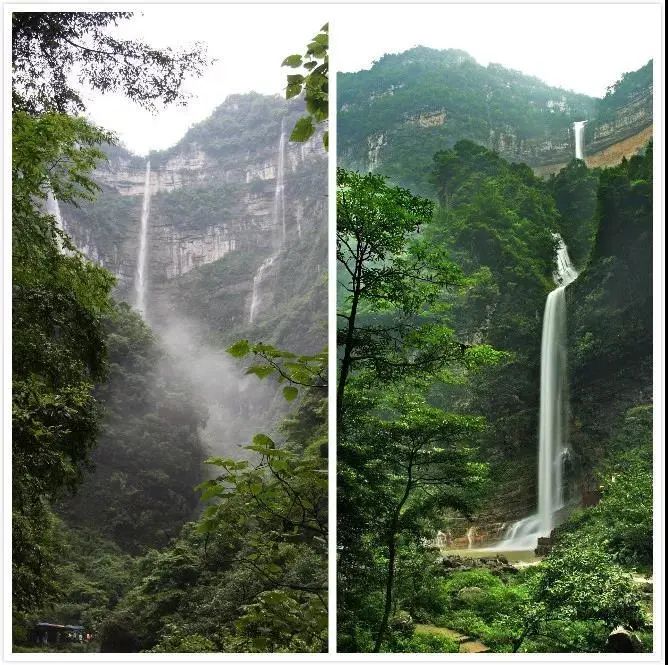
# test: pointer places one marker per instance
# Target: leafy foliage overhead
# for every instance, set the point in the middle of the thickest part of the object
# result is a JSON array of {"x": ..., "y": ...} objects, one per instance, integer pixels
[
  {"x": 49, "y": 47},
  {"x": 314, "y": 84}
]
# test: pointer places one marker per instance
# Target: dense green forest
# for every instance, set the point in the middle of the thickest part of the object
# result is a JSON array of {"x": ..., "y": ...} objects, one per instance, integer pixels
[
  {"x": 440, "y": 316},
  {"x": 122, "y": 521}
]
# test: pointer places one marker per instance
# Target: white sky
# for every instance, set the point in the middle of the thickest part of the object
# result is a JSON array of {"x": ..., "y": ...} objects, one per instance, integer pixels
[
  {"x": 249, "y": 42},
  {"x": 581, "y": 47}
]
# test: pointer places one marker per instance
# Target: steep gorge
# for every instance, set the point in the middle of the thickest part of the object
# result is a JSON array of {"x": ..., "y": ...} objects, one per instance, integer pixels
[{"x": 185, "y": 231}]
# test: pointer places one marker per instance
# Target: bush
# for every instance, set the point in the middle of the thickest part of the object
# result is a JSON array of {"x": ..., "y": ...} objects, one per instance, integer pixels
[{"x": 425, "y": 642}]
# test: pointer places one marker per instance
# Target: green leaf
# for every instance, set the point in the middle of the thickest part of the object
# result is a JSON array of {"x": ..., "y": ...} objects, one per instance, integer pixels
[
  {"x": 292, "y": 61},
  {"x": 303, "y": 129},
  {"x": 290, "y": 393},
  {"x": 293, "y": 90},
  {"x": 261, "y": 371},
  {"x": 263, "y": 440},
  {"x": 239, "y": 349}
]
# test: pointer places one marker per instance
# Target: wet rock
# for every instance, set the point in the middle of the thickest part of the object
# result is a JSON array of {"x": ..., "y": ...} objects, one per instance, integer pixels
[
  {"x": 544, "y": 546},
  {"x": 451, "y": 562},
  {"x": 621, "y": 640}
]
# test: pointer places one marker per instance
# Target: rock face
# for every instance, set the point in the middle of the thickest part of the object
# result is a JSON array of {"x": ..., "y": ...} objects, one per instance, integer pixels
[{"x": 212, "y": 199}]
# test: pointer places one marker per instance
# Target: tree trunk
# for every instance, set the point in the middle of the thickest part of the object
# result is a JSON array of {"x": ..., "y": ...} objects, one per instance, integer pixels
[
  {"x": 347, "y": 356},
  {"x": 389, "y": 586}
]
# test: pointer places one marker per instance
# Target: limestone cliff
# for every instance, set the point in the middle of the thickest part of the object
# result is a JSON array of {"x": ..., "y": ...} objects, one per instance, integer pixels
[{"x": 212, "y": 199}]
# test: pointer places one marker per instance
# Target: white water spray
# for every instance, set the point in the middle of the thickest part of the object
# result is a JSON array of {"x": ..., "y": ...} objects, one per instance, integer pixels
[
  {"x": 257, "y": 280},
  {"x": 279, "y": 219},
  {"x": 140, "y": 278},
  {"x": 553, "y": 427},
  {"x": 578, "y": 130}
]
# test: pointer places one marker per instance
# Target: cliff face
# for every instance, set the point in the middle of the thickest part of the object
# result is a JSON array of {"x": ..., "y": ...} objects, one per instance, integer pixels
[
  {"x": 213, "y": 198},
  {"x": 393, "y": 117}
]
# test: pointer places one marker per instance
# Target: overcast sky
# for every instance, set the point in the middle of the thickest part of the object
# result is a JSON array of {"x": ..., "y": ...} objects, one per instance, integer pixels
[
  {"x": 250, "y": 43},
  {"x": 581, "y": 47}
]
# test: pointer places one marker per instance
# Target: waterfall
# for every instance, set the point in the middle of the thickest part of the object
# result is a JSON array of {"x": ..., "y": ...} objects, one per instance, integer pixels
[
  {"x": 278, "y": 219},
  {"x": 259, "y": 276},
  {"x": 279, "y": 191},
  {"x": 140, "y": 278},
  {"x": 578, "y": 130},
  {"x": 553, "y": 424},
  {"x": 53, "y": 208}
]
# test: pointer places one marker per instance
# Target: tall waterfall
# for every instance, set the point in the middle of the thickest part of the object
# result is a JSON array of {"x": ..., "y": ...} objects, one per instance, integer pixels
[
  {"x": 278, "y": 219},
  {"x": 578, "y": 130},
  {"x": 553, "y": 427},
  {"x": 279, "y": 191},
  {"x": 140, "y": 278}
]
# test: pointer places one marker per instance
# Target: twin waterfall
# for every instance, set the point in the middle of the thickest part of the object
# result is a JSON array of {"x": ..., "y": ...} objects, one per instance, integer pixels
[
  {"x": 140, "y": 278},
  {"x": 260, "y": 275},
  {"x": 553, "y": 427},
  {"x": 279, "y": 220}
]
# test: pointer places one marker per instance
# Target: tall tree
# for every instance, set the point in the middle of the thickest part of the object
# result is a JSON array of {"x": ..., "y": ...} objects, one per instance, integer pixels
[
  {"x": 58, "y": 300},
  {"x": 385, "y": 269}
]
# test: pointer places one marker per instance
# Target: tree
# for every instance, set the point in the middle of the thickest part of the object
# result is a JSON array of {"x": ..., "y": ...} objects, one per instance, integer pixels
[
  {"x": 579, "y": 581},
  {"x": 427, "y": 465},
  {"x": 314, "y": 84},
  {"x": 384, "y": 270},
  {"x": 59, "y": 350},
  {"x": 48, "y": 47},
  {"x": 401, "y": 461},
  {"x": 251, "y": 574}
]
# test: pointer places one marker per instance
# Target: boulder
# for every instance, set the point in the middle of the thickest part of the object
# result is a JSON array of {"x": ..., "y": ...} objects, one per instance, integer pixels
[
  {"x": 402, "y": 623},
  {"x": 621, "y": 640}
]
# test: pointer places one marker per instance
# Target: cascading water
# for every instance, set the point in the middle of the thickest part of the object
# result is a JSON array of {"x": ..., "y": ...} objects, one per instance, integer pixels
[
  {"x": 279, "y": 191},
  {"x": 552, "y": 440},
  {"x": 257, "y": 280},
  {"x": 578, "y": 130},
  {"x": 279, "y": 219},
  {"x": 140, "y": 278}
]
